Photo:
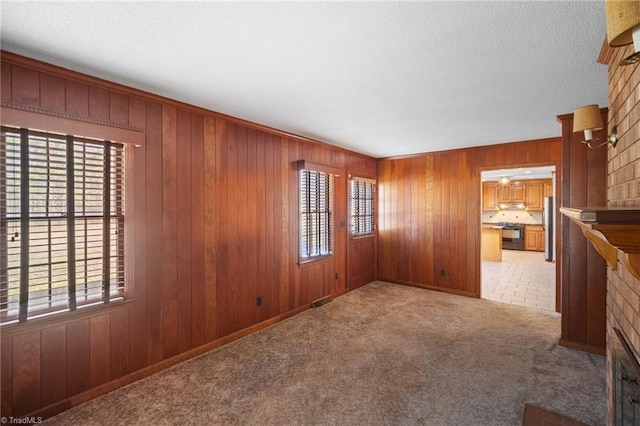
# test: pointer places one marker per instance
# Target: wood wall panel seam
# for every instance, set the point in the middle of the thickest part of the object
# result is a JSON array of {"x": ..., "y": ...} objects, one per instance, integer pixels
[
  {"x": 169, "y": 207},
  {"x": 153, "y": 223},
  {"x": 211, "y": 138},
  {"x": 184, "y": 231},
  {"x": 198, "y": 242}
]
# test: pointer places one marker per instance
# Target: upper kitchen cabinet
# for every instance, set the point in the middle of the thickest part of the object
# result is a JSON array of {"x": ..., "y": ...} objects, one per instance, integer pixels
[
  {"x": 490, "y": 196},
  {"x": 513, "y": 192},
  {"x": 530, "y": 193},
  {"x": 535, "y": 196},
  {"x": 518, "y": 192}
]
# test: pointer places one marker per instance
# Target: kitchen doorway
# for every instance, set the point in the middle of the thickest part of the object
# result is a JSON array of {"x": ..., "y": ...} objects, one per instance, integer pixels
[{"x": 517, "y": 244}]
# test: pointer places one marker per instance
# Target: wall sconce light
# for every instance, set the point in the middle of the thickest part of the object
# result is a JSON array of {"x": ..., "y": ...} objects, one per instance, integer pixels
[
  {"x": 504, "y": 180},
  {"x": 587, "y": 119},
  {"x": 623, "y": 26}
]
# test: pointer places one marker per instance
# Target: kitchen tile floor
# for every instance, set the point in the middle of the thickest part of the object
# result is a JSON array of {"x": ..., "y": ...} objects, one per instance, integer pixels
[{"x": 522, "y": 278}]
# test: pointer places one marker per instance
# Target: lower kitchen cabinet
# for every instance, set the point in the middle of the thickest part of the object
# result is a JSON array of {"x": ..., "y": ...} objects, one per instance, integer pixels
[{"x": 534, "y": 238}]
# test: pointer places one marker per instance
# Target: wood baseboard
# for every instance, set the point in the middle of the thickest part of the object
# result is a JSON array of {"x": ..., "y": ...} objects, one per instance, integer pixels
[
  {"x": 432, "y": 287},
  {"x": 582, "y": 347}
]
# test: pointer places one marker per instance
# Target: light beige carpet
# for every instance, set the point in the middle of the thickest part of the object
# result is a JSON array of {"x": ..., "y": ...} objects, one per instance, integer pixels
[{"x": 384, "y": 354}]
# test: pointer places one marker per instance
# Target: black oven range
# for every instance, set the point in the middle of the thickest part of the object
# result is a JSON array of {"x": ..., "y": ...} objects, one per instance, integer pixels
[{"x": 512, "y": 235}]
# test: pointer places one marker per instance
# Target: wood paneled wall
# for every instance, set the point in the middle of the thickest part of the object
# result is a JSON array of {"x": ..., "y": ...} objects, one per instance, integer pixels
[
  {"x": 212, "y": 224},
  {"x": 583, "y": 271},
  {"x": 430, "y": 212}
]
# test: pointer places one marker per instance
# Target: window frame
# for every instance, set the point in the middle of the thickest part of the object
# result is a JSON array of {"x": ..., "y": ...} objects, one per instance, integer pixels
[
  {"x": 114, "y": 246},
  {"x": 353, "y": 218},
  {"x": 331, "y": 174}
]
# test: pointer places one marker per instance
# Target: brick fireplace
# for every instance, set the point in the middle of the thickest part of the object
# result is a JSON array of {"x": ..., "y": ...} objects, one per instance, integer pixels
[
  {"x": 623, "y": 189},
  {"x": 625, "y": 382}
]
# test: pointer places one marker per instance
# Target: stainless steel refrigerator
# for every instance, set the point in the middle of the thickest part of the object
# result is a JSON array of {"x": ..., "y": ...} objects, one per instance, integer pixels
[{"x": 547, "y": 224}]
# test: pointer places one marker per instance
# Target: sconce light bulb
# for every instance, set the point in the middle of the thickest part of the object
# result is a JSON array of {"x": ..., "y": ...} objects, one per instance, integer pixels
[
  {"x": 635, "y": 57},
  {"x": 588, "y": 134}
]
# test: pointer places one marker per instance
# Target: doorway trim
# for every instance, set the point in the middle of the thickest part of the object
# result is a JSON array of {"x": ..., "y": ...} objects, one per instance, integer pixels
[{"x": 558, "y": 223}]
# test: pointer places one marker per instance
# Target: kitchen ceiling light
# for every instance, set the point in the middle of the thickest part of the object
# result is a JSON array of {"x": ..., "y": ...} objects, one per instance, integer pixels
[{"x": 623, "y": 26}]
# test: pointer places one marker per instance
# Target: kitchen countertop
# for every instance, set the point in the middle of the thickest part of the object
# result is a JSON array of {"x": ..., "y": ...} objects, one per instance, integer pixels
[{"x": 490, "y": 226}]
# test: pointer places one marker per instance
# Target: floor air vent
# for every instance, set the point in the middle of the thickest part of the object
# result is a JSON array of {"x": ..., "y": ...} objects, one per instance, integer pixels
[{"x": 322, "y": 301}]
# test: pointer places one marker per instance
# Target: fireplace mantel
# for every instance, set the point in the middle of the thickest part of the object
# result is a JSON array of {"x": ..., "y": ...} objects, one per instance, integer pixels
[{"x": 611, "y": 229}]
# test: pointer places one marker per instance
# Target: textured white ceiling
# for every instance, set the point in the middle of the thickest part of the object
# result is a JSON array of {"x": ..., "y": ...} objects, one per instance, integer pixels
[{"x": 381, "y": 78}]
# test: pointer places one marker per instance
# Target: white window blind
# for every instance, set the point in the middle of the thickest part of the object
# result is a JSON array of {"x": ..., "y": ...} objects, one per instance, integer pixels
[
  {"x": 316, "y": 195},
  {"x": 362, "y": 203},
  {"x": 62, "y": 223}
]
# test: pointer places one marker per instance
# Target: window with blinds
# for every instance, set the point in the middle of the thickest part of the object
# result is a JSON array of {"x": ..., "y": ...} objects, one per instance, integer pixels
[
  {"x": 316, "y": 203},
  {"x": 362, "y": 202},
  {"x": 61, "y": 223}
]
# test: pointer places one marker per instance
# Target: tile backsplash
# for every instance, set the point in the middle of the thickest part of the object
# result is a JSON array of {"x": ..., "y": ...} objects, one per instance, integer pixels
[{"x": 515, "y": 216}]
